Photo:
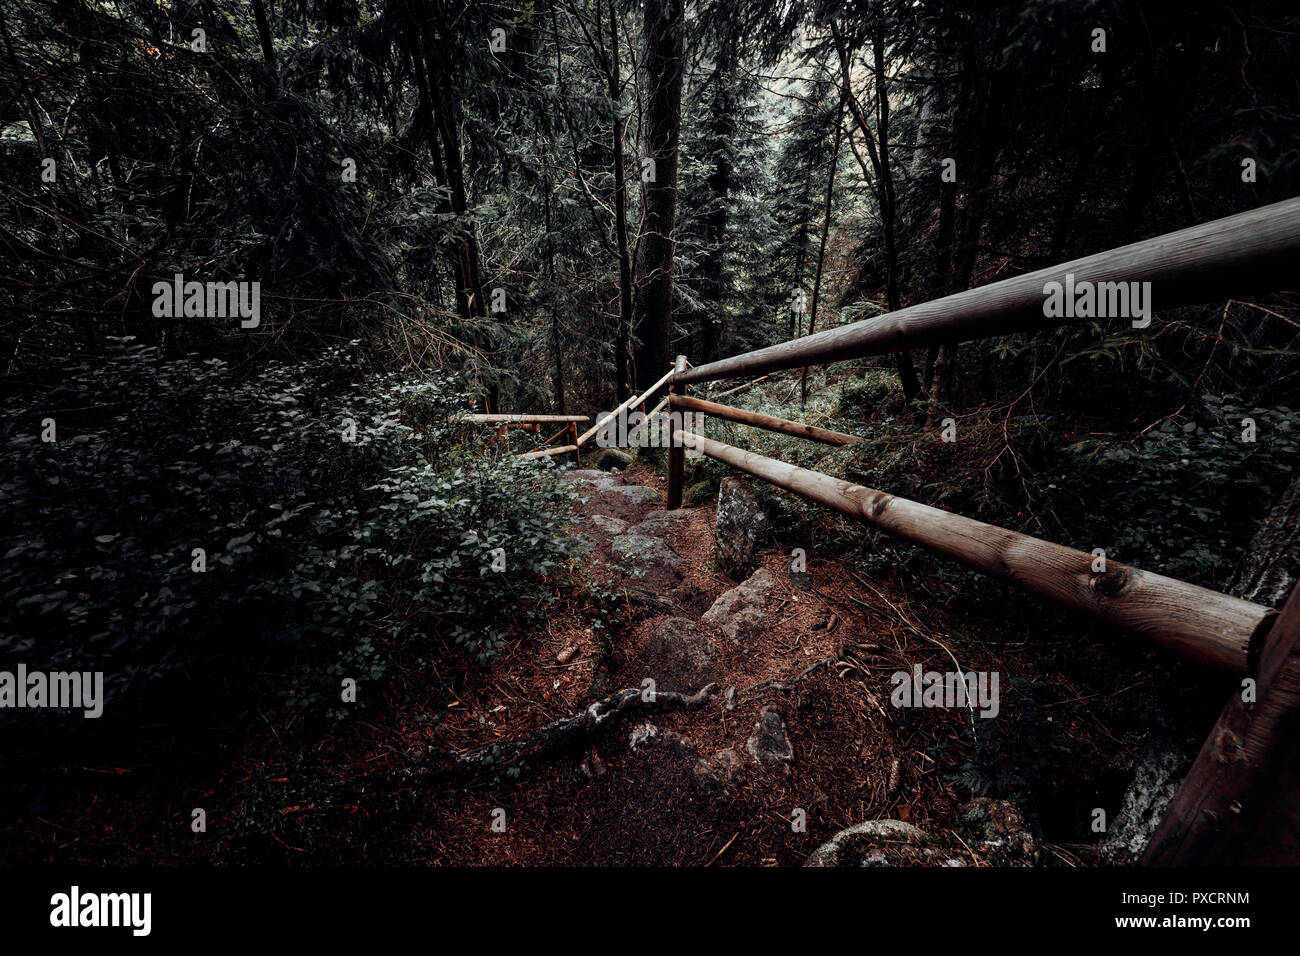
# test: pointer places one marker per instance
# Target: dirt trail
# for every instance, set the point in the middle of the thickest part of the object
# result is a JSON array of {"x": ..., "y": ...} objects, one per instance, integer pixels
[{"x": 808, "y": 657}]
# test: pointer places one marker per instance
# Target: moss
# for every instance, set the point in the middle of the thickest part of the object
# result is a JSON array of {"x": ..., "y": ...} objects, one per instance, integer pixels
[{"x": 700, "y": 492}]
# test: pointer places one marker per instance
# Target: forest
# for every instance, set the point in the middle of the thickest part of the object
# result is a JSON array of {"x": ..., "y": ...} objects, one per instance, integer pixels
[{"x": 293, "y": 294}]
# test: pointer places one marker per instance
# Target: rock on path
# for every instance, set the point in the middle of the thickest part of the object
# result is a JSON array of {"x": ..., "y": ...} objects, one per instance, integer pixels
[{"x": 740, "y": 612}]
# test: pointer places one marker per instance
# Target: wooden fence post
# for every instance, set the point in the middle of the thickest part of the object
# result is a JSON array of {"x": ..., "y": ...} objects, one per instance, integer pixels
[
  {"x": 676, "y": 451},
  {"x": 573, "y": 440},
  {"x": 1237, "y": 805}
]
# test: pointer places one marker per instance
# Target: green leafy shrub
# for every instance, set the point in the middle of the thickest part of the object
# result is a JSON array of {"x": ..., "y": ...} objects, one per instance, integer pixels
[
  {"x": 346, "y": 518},
  {"x": 1184, "y": 498}
]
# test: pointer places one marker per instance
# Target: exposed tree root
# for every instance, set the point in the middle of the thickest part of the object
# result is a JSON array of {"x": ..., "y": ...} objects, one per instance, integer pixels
[{"x": 563, "y": 736}]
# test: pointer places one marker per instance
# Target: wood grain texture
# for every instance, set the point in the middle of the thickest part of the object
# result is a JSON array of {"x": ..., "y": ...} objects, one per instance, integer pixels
[
  {"x": 1253, "y": 251},
  {"x": 547, "y": 452},
  {"x": 1238, "y": 804},
  {"x": 1209, "y": 627},
  {"x": 676, "y": 453}
]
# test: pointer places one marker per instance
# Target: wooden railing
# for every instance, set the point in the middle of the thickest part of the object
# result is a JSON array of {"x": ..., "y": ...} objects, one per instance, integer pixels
[
  {"x": 1241, "y": 800},
  {"x": 1254, "y": 251},
  {"x": 576, "y": 440},
  {"x": 534, "y": 423}
]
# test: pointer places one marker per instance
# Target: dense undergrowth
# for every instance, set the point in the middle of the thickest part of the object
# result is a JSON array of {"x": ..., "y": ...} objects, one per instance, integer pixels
[{"x": 186, "y": 527}]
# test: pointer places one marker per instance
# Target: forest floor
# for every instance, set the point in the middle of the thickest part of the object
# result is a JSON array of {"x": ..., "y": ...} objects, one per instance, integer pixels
[
  {"x": 681, "y": 786},
  {"x": 684, "y": 787}
]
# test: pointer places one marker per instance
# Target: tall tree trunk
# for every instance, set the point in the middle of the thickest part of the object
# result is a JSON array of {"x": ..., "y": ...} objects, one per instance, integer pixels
[
  {"x": 424, "y": 102},
  {"x": 821, "y": 247},
  {"x": 906, "y": 369},
  {"x": 444, "y": 107},
  {"x": 982, "y": 163},
  {"x": 264, "y": 34},
  {"x": 713, "y": 261},
  {"x": 624, "y": 332},
  {"x": 557, "y": 350},
  {"x": 801, "y": 249},
  {"x": 664, "y": 39},
  {"x": 882, "y": 179}
]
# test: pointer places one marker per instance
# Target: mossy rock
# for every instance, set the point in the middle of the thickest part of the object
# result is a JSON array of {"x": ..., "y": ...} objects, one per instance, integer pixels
[
  {"x": 854, "y": 846},
  {"x": 608, "y": 459}
]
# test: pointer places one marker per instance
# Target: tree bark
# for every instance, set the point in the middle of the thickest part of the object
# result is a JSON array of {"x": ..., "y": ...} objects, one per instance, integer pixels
[
  {"x": 662, "y": 63},
  {"x": 821, "y": 247},
  {"x": 883, "y": 180},
  {"x": 264, "y": 34},
  {"x": 623, "y": 335}
]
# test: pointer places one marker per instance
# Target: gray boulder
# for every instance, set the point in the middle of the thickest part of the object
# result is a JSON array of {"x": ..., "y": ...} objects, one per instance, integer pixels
[
  {"x": 607, "y": 459},
  {"x": 769, "y": 743},
  {"x": 642, "y": 550},
  {"x": 740, "y": 611},
  {"x": 657, "y": 523},
  {"x": 739, "y": 528},
  {"x": 609, "y": 525}
]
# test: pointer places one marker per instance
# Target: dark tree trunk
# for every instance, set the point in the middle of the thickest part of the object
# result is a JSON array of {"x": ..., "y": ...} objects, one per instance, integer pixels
[
  {"x": 713, "y": 261},
  {"x": 1271, "y": 565},
  {"x": 264, "y": 34},
  {"x": 878, "y": 151},
  {"x": 557, "y": 347},
  {"x": 888, "y": 205},
  {"x": 826, "y": 231},
  {"x": 623, "y": 335},
  {"x": 664, "y": 29},
  {"x": 443, "y": 108}
]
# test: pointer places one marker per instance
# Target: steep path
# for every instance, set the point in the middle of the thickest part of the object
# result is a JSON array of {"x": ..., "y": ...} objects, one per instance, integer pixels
[{"x": 794, "y": 740}]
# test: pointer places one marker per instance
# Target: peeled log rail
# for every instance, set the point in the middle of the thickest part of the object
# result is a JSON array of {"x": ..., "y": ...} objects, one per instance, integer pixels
[
  {"x": 625, "y": 406},
  {"x": 676, "y": 454},
  {"x": 547, "y": 452},
  {"x": 1254, "y": 251},
  {"x": 757, "y": 420},
  {"x": 523, "y": 419},
  {"x": 1212, "y": 628},
  {"x": 649, "y": 416}
]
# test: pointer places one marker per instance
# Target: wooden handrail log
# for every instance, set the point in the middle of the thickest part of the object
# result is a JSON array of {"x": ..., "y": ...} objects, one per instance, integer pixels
[
  {"x": 649, "y": 417},
  {"x": 547, "y": 452},
  {"x": 582, "y": 439},
  {"x": 522, "y": 418},
  {"x": 676, "y": 473},
  {"x": 558, "y": 435},
  {"x": 1212, "y": 628},
  {"x": 758, "y": 420},
  {"x": 1255, "y": 251}
]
